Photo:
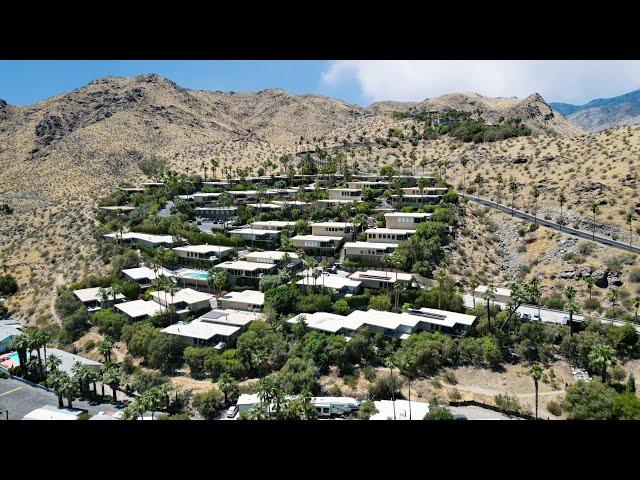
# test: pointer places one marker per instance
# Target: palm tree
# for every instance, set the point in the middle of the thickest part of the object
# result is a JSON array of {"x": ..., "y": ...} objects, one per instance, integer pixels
[
  {"x": 636, "y": 306},
  {"x": 111, "y": 377},
  {"x": 513, "y": 187},
  {"x": 613, "y": 296},
  {"x": 80, "y": 375},
  {"x": 536, "y": 372},
  {"x": 441, "y": 278},
  {"x": 489, "y": 296},
  {"x": 55, "y": 380},
  {"x": 406, "y": 366},
  {"x": 473, "y": 284},
  {"x": 602, "y": 356},
  {"x": 116, "y": 289},
  {"x": 68, "y": 388},
  {"x": 570, "y": 293},
  {"x": 105, "y": 348},
  {"x": 390, "y": 363},
  {"x": 590, "y": 283},
  {"x": 535, "y": 194},
  {"x": 464, "y": 161},
  {"x": 205, "y": 168},
  {"x": 562, "y": 199},
  {"x": 629, "y": 219},
  {"x": 594, "y": 210},
  {"x": 214, "y": 166},
  {"x": 397, "y": 289},
  {"x": 220, "y": 280},
  {"x": 52, "y": 363},
  {"x": 533, "y": 290},
  {"x": 225, "y": 382}
]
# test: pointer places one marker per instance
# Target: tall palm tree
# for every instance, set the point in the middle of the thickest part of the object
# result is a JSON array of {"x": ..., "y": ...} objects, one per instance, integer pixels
[
  {"x": 390, "y": 363},
  {"x": 570, "y": 293},
  {"x": 116, "y": 289},
  {"x": 534, "y": 292},
  {"x": 562, "y": 199},
  {"x": 594, "y": 210},
  {"x": 535, "y": 372},
  {"x": 590, "y": 283},
  {"x": 489, "y": 296},
  {"x": 55, "y": 380},
  {"x": 629, "y": 219},
  {"x": 105, "y": 348},
  {"x": 441, "y": 278},
  {"x": 52, "y": 363},
  {"x": 613, "y": 296},
  {"x": 111, "y": 377},
  {"x": 636, "y": 306},
  {"x": 214, "y": 166},
  {"x": 602, "y": 356},
  {"x": 397, "y": 289},
  {"x": 535, "y": 194},
  {"x": 406, "y": 366},
  {"x": 473, "y": 284},
  {"x": 464, "y": 161},
  {"x": 513, "y": 187}
]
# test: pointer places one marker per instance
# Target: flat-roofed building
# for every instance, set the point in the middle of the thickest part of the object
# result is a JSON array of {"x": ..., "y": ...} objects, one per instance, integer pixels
[
  {"x": 215, "y": 213},
  {"x": 249, "y": 300},
  {"x": 242, "y": 272},
  {"x": 131, "y": 189},
  {"x": 204, "y": 253},
  {"x": 205, "y": 198},
  {"x": 290, "y": 203},
  {"x": 405, "y": 221},
  {"x": 362, "y": 184},
  {"x": 265, "y": 207},
  {"x": 147, "y": 240},
  {"x": 416, "y": 200},
  {"x": 424, "y": 191},
  {"x": 273, "y": 257},
  {"x": 92, "y": 299},
  {"x": 276, "y": 225},
  {"x": 381, "y": 279},
  {"x": 334, "y": 229},
  {"x": 184, "y": 300},
  {"x": 341, "y": 285},
  {"x": 350, "y": 194},
  {"x": 139, "y": 309},
  {"x": 8, "y": 333},
  {"x": 329, "y": 203},
  {"x": 398, "y": 325},
  {"x": 143, "y": 276},
  {"x": 255, "y": 235},
  {"x": 368, "y": 253},
  {"x": 152, "y": 184},
  {"x": 124, "y": 209},
  {"x": 222, "y": 184},
  {"x": 318, "y": 244},
  {"x": 387, "y": 235}
]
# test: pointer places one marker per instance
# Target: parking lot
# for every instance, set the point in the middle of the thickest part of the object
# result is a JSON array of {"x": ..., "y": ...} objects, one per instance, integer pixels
[{"x": 20, "y": 398}]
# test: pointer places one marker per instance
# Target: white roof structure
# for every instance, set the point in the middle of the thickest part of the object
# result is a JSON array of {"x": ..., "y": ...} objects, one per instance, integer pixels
[
  {"x": 252, "y": 231},
  {"x": 411, "y": 214},
  {"x": 381, "y": 276},
  {"x": 184, "y": 295},
  {"x": 147, "y": 237},
  {"x": 499, "y": 291},
  {"x": 335, "y": 282},
  {"x": 141, "y": 273},
  {"x": 292, "y": 203},
  {"x": 389, "y": 230},
  {"x": 92, "y": 295},
  {"x": 272, "y": 225},
  {"x": 110, "y": 415},
  {"x": 49, "y": 412},
  {"x": 253, "y": 297},
  {"x": 116, "y": 208},
  {"x": 200, "y": 330},
  {"x": 325, "y": 321},
  {"x": 370, "y": 245},
  {"x": 8, "y": 331},
  {"x": 386, "y": 408},
  {"x": 248, "y": 399},
  {"x": 244, "y": 266},
  {"x": 262, "y": 206},
  {"x": 68, "y": 360},
  {"x": 229, "y": 316},
  {"x": 269, "y": 256},
  {"x": 203, "y": 195},
  {"x": 139, "y": 308},
  {"x": 317, "y": 238},
  {"x": 204, "y": 249},
  {"x": 332, "y": 224}
]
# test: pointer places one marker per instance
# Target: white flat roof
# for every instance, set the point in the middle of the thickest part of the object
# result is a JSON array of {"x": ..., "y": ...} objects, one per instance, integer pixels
[
  {"x": 138, "y": 308},
  {"x": 371, "y": 245},
  {"x": 116, "y": 208},
  {"x": 289, "y": 202},
  {"x": 272, "y": 206},
  {"x": 68, "y": 360},
  {"x": 203, "y": 249},
  {"x": 200, "y": 330},
  {"x": 214, "y": 209},
  {"x": 245, "y": 266},
  {"x": 276, "y": 255},
  {"x": 397, "y": 231},
  {"x": 142, "y": 236},
  {"x": 229, "y": 316},
  {"x": 141, "y": 273},
  {"x": 273, "y": 223},
  {"x": 332, "y": 224},
  {"x": 386, "y": 409},
  {"x": 252, "y": 231},
  {"x": 49, "y": 412},
  {"x": 92, "y": 294},
  {"x": 381, "y": 276},
  {"x": 325, "y": 321},
  {"x": 330, "y": 281},
  {"x": 343, "y": 189},
  {"x": 253, "y": 297},
  {"x": 403, "y": 214},
  {"x": 206, "y": 194},
  {"x": 319, "y": 238},
  {"x": 186, "y": 295}
]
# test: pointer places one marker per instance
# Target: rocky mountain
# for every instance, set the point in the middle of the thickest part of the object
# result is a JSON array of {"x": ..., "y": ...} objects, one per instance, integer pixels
[
  {"x": 95, "y": 135},
  {"x": 603, "y": 113}
]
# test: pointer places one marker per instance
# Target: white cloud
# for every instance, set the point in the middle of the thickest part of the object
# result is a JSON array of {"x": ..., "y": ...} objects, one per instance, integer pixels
[{"x": 571, "y": 81}]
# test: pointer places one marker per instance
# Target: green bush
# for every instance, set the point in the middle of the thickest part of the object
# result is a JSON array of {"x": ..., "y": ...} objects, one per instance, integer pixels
[
  {"x": 554, "y": 408},
  {"x": 209, "y": 403}
]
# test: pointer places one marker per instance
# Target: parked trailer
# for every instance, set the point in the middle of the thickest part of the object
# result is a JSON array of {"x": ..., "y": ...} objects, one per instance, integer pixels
[{"x": 327, "y": 407}]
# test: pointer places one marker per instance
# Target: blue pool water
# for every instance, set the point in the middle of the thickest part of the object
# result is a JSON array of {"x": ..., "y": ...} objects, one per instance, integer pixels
[{"x": 199, "y": 276}]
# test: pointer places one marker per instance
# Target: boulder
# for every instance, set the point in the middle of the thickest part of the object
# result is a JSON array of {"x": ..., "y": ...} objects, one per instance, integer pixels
[{"x": 600, "y": 277}]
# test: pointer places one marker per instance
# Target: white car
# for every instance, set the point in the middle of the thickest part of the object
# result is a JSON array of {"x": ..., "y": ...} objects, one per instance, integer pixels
[{"x": 232, "y": 411}]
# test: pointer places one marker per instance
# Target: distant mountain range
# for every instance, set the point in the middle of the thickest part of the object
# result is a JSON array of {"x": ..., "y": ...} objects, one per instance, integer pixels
[{"x": 603, "y": 112}]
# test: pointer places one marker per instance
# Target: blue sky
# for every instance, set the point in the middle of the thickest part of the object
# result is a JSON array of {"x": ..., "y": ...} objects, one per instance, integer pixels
[{"x": 361, "y": 82}]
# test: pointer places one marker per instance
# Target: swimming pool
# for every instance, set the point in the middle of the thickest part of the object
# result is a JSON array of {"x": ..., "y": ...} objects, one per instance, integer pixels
[{"x": 196, "y": 275}]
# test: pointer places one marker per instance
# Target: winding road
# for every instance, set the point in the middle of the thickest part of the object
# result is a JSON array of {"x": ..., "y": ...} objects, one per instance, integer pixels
[{"x": 553, "y": 225}]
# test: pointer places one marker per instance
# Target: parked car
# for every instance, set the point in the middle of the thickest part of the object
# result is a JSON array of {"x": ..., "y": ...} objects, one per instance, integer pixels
[
  {"x": 232, "y": 411},
  {"x": 526, "y": 316},
  {"x": 536, "y": 317},
  {"x": 565, "y": 319}
]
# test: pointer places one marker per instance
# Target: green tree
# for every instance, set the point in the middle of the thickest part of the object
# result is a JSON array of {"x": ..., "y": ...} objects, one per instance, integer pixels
[
  {"x": 601, "y": 357},
  {"x": 535, "y": 372}
]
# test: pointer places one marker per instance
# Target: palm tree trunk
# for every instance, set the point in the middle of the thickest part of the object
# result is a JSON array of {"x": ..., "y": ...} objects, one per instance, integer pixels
[
  {"x": 60, "y": 400},
  {"x": 536, "y": 383}
]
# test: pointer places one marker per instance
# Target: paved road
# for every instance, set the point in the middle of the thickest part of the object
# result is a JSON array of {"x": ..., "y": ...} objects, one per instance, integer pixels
[
  {"x": 555, "y": 226},
  {"x": 547, "y": 315},
  {"x": 20, "y": 398},
  {"x": 473, "y": 412}
]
